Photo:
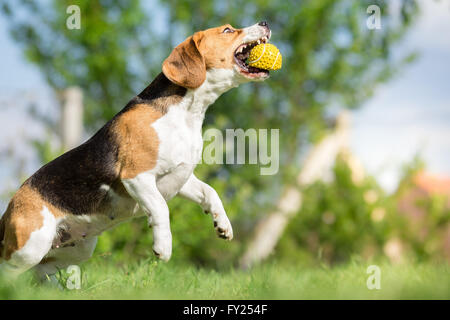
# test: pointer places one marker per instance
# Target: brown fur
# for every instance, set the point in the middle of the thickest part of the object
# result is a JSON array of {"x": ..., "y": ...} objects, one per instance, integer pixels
[
  {"x": 138, "y": 141},
  {"x": 218, "y": 48},
  {"x": 188, "y": 62},
  {"x": 22, "y": 217},
  {"x": 186, "y": 66}
]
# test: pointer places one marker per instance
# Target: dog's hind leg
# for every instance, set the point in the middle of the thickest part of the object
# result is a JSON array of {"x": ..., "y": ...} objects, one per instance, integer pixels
[{"x": 28, "y": 238}]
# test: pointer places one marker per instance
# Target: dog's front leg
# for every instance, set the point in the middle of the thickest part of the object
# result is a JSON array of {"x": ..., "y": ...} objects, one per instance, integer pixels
[
  {"x": 204, "y": 195},
  {"x": 143, "y": 189}
]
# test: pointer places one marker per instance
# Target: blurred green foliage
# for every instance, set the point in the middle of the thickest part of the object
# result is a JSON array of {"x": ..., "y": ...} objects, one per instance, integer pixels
[
  {"x": 335, "y": 222},
  {"x": 331, "y": 61},
  {"x": 344, "y": 220}
]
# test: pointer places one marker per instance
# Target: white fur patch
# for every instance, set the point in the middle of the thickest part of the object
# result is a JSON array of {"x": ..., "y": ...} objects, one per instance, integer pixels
[
  {"x": 254, "y": 33},
  {"x": 181, "y": 145},
  {"x": 35, "y": 248},
  {"x": 40, "y": 241}
]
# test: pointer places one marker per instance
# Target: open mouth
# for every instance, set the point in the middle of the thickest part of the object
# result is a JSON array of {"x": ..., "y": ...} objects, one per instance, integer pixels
[{"x": 241, "y": 57}]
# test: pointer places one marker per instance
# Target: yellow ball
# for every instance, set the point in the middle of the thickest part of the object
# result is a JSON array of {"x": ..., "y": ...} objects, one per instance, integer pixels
[{"x": 265, "y": 56}]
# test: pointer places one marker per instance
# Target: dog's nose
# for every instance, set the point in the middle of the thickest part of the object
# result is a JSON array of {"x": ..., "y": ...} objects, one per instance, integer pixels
[{"x": 263, "y": 24}]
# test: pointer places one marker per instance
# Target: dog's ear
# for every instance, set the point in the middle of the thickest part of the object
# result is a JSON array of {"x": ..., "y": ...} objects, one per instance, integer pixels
[{"x": 186, "y": 65}]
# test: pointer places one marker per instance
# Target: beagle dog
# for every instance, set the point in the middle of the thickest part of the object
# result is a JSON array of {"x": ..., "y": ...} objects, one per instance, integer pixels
[{"x": 134, "y": 164}]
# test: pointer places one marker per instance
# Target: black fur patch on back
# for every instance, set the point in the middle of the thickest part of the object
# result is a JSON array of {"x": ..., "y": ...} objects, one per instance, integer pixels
[
  {"x": 161, "y": 94},
  {"x": 72, "y": 181}
]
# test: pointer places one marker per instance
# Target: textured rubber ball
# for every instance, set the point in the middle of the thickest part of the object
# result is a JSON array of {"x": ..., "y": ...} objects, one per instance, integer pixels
[{"x": 265, "y": 56}]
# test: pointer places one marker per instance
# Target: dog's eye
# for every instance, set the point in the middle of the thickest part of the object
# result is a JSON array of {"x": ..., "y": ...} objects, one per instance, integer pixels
[{"x": 227, "y": 30}]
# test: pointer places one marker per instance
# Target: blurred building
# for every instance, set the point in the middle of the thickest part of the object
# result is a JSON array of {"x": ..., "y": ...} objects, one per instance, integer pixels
[
  {"x": 423, "y": 186},
  {"x": 425, "y": 202}
]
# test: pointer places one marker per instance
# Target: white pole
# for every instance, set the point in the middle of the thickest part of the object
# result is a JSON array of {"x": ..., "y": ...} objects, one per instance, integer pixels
[{"x": 71, "y": 118}]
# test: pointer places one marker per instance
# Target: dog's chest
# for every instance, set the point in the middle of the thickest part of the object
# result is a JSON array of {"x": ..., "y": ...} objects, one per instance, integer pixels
[
  {"x": 180, "y": 139},
  {"x": 179, "y": 150}
]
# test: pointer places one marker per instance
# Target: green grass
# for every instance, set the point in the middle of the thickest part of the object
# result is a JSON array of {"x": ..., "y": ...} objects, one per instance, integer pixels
[{"x": 154, "y": 280}]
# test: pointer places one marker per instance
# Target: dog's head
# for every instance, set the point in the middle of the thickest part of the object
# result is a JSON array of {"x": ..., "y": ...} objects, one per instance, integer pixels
[{"x": 224, "y": 49}]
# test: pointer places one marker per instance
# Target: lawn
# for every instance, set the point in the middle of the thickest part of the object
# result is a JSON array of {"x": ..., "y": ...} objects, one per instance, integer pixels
[{"x": 102, "y": 279}]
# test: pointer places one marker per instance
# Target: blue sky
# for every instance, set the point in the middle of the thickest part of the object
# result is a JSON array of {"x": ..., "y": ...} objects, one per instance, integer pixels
[
  {"x": 407, "y": 115},
  {"x": 411, "y": 113}
]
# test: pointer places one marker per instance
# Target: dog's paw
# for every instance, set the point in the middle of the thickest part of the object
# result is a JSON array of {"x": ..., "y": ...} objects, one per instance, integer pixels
[
  {"x": 223, "y": 227},
  {"x": 162, "y": 247},
  {"x": 163, "y": 253}
]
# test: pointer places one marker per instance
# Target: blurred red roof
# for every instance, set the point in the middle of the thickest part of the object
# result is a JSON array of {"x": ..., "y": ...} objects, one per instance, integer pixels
[{"x": 432, "y": 184}]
